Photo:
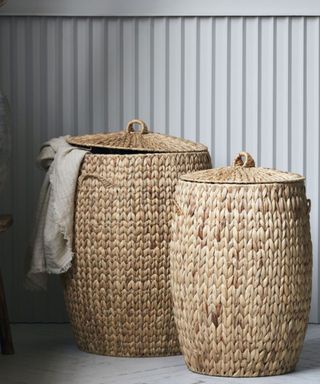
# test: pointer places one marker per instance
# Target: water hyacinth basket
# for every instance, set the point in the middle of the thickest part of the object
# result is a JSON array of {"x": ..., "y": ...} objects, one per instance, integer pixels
[
  {"x": 241, "y": 264},
  {"x": 118, "y": 290}
]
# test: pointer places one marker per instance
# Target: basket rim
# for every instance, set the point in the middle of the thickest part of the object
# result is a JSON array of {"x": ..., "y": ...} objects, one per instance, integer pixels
[
  {"x": 196, "y": 147},
  {"x": 145, "y": 154},
  {"x": 301, "y": 179}
]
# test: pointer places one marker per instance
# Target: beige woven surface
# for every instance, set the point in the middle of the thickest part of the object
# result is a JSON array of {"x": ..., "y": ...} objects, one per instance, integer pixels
[
  {"x": 140, "y": 139},
  {"x": 118, "y": 291},
  {"x": 241, "y": 267},
  {"x": 243, "y": 171}
]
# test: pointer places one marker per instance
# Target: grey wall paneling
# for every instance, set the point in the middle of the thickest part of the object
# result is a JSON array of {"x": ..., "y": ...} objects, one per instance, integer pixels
[{"x": 230, "y": 82}]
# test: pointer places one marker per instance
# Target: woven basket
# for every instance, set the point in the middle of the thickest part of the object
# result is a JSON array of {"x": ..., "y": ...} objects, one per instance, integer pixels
[
  {"x": 117, "y": 292},
  {"x": 241, "y": 264}
]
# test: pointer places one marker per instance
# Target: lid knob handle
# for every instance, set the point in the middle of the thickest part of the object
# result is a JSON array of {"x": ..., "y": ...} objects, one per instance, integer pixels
[
  {"x": 244, "y": 159},
  {"x": 143, "y": 126}
]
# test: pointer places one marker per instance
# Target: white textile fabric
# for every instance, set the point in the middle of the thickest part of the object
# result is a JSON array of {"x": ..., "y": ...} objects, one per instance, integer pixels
[{"x": 51, "y": 250}]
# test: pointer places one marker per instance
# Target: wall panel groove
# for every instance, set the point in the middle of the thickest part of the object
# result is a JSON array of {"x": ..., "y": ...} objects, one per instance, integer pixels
[{"x": 232, "y": 83}]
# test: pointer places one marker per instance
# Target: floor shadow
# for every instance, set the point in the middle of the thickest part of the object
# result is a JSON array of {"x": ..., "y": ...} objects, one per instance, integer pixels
[{"x": 48, "y": 354}]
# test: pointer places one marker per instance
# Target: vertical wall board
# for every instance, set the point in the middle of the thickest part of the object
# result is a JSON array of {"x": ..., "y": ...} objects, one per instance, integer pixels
[
  {"x": 231, "y": 83},
  {"x": 252, "y": 84},
  {"x": 221, "y": 89},
  {"x": 159, "y": 77},
  {"x": 175, "y": 73},
  {"x": 204, "y": 122}
]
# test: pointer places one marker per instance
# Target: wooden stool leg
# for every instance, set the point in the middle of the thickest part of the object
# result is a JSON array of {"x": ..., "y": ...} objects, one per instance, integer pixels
[{"x": 5, "y": 332}]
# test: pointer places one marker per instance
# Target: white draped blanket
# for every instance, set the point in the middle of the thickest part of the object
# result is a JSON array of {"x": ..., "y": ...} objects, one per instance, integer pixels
[{"x": 53, "y": 236}]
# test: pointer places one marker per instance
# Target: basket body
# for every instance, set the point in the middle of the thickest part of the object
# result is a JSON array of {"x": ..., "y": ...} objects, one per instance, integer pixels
[
  {"x": 118, "y": 289},
  {"x": 241, "y": 264}
]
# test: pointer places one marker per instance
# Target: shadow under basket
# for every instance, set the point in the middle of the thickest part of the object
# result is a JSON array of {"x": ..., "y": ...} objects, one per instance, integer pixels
[{"x": 117, "y": 291}]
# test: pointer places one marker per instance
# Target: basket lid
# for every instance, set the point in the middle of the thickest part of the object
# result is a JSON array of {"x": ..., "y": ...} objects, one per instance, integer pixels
[
  {"x": 243, "y": 171},
  {"x": 141, "y": 140}
]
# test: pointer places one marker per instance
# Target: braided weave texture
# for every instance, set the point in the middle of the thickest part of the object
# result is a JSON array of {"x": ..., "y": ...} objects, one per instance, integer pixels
[
  {"x": 241, "y": 263},
  {"x": 118, "y": 290}
]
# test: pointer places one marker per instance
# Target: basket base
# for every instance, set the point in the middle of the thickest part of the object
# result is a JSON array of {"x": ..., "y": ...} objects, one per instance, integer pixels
[
  {"x": 277, "y": 372},
  {"x": 113, "y": 354}
]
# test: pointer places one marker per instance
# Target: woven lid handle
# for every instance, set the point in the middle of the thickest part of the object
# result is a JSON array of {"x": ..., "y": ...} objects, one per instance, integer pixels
[
  {"x": 244, "y": 159},
  {"x": 143, "y": 126}
]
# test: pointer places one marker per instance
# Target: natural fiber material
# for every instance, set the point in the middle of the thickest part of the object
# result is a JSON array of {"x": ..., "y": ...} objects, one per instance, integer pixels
[
  {"x": 241, "y": 274},
  {"x": 118, "y": 290},
  {"x": 141, "y": 140},
  {"x": 243, "y": 171}
]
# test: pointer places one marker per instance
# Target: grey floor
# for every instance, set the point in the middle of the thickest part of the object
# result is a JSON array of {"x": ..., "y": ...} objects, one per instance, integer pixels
[{"x": 46, "y": 354}]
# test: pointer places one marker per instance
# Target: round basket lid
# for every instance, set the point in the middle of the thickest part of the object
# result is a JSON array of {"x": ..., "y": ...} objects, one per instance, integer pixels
[
  {"x": 141, "y": 140},
  {"x": 243, "y": 171}
]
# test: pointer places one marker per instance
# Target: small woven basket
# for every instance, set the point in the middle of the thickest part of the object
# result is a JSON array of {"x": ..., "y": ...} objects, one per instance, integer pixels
[
  {"x": 118, "y": 290},
  {"x": 241, "y": 264}
]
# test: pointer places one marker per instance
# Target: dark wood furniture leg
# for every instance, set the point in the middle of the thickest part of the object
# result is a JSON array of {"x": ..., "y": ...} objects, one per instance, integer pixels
[{"x": 5, "y": 331}]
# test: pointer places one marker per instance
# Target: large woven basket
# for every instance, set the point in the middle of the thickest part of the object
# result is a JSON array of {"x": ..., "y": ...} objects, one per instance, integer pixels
[
  {"x": 117, "y": 292},
  {"x": 241, "y": 269}
]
